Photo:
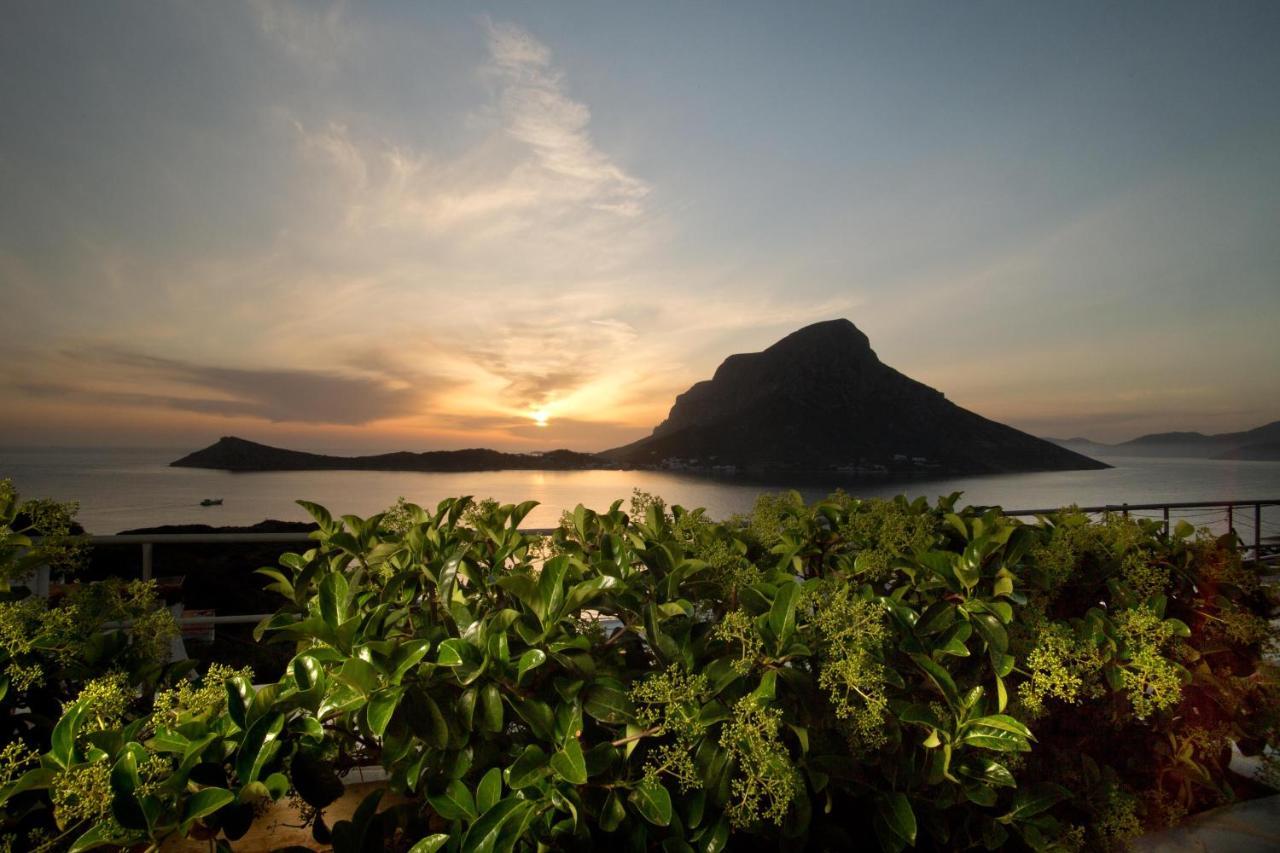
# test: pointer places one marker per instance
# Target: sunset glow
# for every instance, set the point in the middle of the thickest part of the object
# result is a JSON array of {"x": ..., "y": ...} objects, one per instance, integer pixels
[
  {"x": 674, "y": 425},
  {"x": 429, "y": 226}
]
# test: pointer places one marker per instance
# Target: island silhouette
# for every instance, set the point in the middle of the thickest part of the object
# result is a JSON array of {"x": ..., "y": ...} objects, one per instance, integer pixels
[{"x": 819, "y": 401}]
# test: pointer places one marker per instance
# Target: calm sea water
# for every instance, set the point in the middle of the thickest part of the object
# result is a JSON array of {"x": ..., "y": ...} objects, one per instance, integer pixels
[{"x": 119, "y": 489}]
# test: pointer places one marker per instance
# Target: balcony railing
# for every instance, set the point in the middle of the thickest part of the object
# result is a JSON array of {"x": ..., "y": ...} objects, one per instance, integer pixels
[{"x": 1258, "y": 529}]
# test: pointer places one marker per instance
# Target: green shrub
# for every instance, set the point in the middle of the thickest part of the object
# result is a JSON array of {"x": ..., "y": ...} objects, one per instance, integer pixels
[
  {"x": 942, "y": 678},
  {"x": 70, "y": 682}
]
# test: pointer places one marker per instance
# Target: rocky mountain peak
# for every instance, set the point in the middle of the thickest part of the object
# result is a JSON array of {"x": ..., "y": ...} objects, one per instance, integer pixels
[{"x": 820, "y": 399}]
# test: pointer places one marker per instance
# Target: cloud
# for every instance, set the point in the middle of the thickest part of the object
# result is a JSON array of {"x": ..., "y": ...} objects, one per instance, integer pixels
[
  {"x": 545, "y": 362},
  {"x": 453, "y": 255},
  {"x": 283, "y": 395},
  {"x": 531, "y": 192},
  {"x": 315, "y": 33},
  {"x": 537, "y": 111}
]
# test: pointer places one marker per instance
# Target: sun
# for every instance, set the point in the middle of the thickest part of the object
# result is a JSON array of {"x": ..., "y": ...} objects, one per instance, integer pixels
[{"x": 540, "y": 417}]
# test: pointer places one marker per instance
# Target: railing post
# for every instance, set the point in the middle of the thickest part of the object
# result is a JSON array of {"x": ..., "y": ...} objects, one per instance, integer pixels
[
  {"x": 146, "y": 561},
  {"x": 1257, "y": 533},
  {"x": 1231, "y": 518},
  {"x": 1166, "y": 521}
]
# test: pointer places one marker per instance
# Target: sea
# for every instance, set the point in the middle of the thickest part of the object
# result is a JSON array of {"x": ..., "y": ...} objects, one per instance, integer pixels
[{"x": 123, "y": 488}]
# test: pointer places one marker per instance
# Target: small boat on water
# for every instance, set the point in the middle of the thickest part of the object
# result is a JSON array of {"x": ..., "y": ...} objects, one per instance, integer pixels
[{"x": 211, "y": 502}]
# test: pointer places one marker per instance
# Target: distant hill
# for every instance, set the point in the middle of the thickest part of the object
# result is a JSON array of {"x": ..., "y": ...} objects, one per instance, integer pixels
[
  {"x": 820, "y": 400},
  {"x": 1081, "y": 445},
  {"x": 236, "y": 454},
  {"x": 1259, "y": 443},
  {"x": 1258, "y": 451}
]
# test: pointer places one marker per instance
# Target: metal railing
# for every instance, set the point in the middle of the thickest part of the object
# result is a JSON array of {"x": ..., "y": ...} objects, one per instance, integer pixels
[
  {"x": 1265, "y": 546},
  {"x": 1235, "y": 514},
  {"x": 148, "y": 540}
]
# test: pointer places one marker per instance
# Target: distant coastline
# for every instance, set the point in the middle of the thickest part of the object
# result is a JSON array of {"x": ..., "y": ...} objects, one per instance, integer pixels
[
  {"x": 123, "y": 488},
  {"x": 237, "y": 454},
  {"x": 240, "y": 455},
  {"x": 1258, "y": 444}
]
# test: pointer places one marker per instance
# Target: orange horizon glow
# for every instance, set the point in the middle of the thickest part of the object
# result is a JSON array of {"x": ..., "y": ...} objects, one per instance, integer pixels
[{"x": 423, "y": 228}]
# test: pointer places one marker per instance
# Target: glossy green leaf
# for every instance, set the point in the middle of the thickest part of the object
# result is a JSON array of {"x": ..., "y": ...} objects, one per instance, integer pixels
[
  {"x": 124, "y": 774},
  {"x": 981, "y": 795},
  {"x": 483, "y": 835},
  {"x": 63, "y": 739},
  {"x": 1002, "y": 663},
  {"x": 277, "y": 785},
  {"x": 307, "y": 672},
  {"x": 532, "y": 659},
  {"x": 465, "y": 707},
  {"x": 582, "y": 594},
  {"x": 613, "y": 813},
  {"x": 782, "y": 614},
  {"x": 204, "y": 803},
  {"x": 408, "y": 656},
  {"x": 1031, "y": 801},
  {"x": 319, "y": 513},
  {"x": 1002, "y": 722},
  {"x": 360, "y": 675},
  {"x": 991, "y": 631},
  {"x": 1001, "y": 609},
  {"x": 767, "y": 689},
  {"x": 425, "y": 718},
  {"x": 99, "y": 836},
  {"x": 607, "y": 700},
  {"x": 259, "y": 747},
  {"x": 718, "y": 839},
  {"x": 940, "y": 678},
  {"x": 455, "y": 803},
  {"x": 528, "y": 768},
  {"x": 32, "y": 780},
  {"x": 382, "y": 705},
  {"x": 987, "y": 771},
  {"x": 569, "y": 763},
  {"x": 491, "y": 713},
  {"x": 652, "y": 801},
  {"x": 454, "y": 652},
  {"x": 332, "y": 599},
  {"x": 489, "y": 791},
  {"x": 895, "y": 809},
  {"x": 430, "y": 844},
  {"x": 538, "y": 715},
  {"x": 937, "y": 617},
  {"x": 551, "y": 586},
  {"x": 1000, "y": 740}
]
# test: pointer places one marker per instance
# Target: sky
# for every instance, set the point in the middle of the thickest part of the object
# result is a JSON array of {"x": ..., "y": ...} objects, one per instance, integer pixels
[{"x": 527, "y": 226}]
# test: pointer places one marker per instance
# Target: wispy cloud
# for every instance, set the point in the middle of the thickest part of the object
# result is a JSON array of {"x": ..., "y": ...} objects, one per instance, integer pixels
[
  {"x": 533, "y": 186},
  {"x": 507, "y": 265},
  {"x": 108, "y": 374},
  {"x": 518, "y": 253},
  {"x": 314, "y": 32},
  {"x": 537, "y": 111},
  {"x": 545, "y": 363},
  {"x": 432, "y": 203}
]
